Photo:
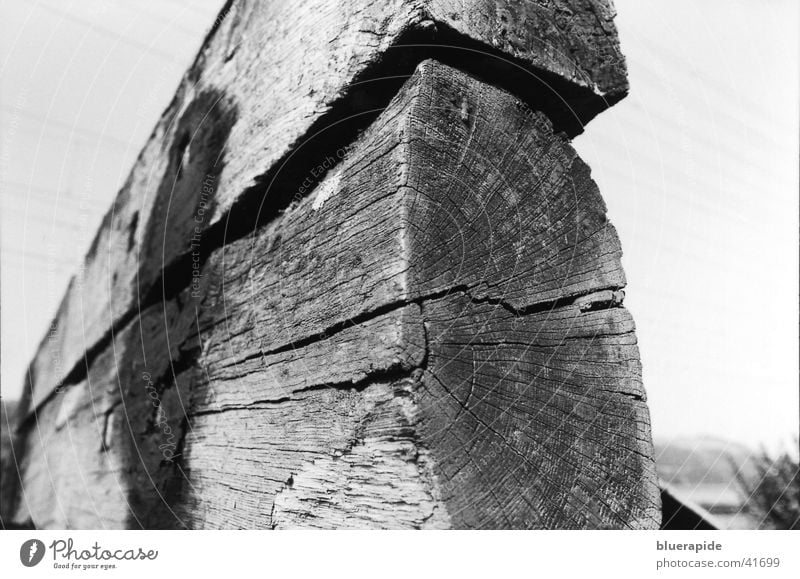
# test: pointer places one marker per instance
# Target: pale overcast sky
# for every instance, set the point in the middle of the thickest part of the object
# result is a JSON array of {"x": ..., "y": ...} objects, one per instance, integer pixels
[{"x": 698, "y": 166}]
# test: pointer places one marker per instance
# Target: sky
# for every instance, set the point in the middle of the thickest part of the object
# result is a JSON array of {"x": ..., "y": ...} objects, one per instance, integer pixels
[
  {"x": 699, "y": 169},
  {"x": 698, "y": 166}
]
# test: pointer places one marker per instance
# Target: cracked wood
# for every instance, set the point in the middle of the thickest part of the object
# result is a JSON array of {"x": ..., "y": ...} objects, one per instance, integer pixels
[{"x": 432, "y": 338}]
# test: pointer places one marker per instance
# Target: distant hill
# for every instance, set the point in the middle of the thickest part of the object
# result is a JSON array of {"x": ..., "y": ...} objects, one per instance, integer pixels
[{"x": 702, "y": 460}]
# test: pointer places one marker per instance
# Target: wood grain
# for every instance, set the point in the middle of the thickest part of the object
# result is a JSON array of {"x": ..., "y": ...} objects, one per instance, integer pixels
[
  {"x": 433, "y": 337},
  {"x": 276, "y": 89}
]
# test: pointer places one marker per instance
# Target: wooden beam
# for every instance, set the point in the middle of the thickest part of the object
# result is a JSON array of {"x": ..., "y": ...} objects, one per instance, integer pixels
[
  {"x": 433, "y": 336},
  {"x": 276, "y": 89}
]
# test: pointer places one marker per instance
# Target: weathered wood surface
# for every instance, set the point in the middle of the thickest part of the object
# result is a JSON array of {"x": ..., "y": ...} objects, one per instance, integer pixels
[
  {"x": 277, "y": 88},
  {"x": 432, "y": 338},
  {"x": 72, "y": 475}
]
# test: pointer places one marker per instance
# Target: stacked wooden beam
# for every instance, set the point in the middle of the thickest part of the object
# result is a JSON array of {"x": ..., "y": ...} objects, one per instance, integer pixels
[{"x": 358, "y": 277}]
